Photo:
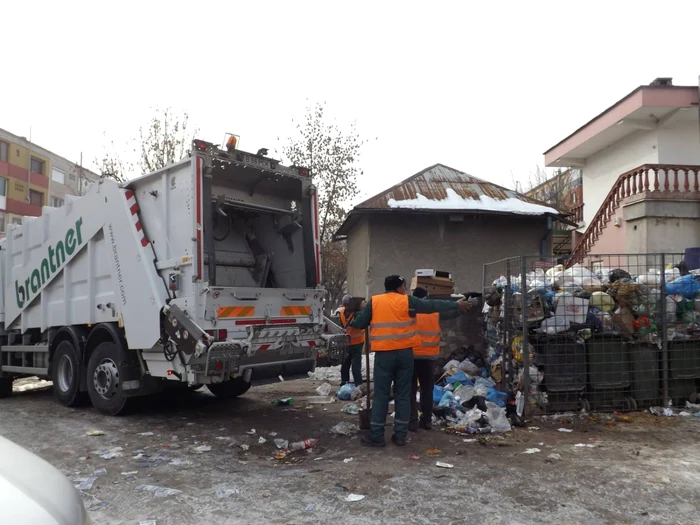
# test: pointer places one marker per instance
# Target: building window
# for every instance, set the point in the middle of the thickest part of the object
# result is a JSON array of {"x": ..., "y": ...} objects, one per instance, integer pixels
[
  {"x": 37, "y": 165},
  {"x": 4, "y": 152},
  {"x": 3, "y": 187},
  {"x": 573, "y": 198},
  {"x": 36, "y": 198},
  {"x": 2, "y": 221},
  {"x": 58, "y": 176},
  {"x": 56, "y": 202},
  {"x": 16, "y": 220}
]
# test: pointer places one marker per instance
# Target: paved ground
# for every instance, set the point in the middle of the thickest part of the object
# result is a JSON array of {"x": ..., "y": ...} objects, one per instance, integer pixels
[{"x": 641, "y": 470}]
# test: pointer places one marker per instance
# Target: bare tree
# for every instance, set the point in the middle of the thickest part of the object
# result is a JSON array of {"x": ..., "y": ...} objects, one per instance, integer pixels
[
  {"x": 332, "y": 155},
  {"x": 163, "y": 140},
  {"x": 554, "y": 189}
]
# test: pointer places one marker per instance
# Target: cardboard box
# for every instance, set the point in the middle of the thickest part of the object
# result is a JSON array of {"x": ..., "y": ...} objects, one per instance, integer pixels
[
  {"x": 440, "y": 274},
  {"x": 434, "y": 286}
]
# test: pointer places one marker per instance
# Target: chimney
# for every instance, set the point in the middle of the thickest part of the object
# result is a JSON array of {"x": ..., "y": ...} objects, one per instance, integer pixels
[{"x": 662, "y": 81}]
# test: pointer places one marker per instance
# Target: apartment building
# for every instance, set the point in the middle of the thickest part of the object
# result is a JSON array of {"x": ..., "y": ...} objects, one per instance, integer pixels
[{"x": 32, "y": 177}]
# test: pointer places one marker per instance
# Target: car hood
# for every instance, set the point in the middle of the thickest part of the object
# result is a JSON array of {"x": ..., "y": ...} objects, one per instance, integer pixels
[{"x": 34, "y": 492}]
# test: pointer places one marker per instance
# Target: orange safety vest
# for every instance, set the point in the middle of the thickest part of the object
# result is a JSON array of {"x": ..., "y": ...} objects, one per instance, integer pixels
[
  {"x": 357, "y": 335},
  {"x": 428, "y": 327},
  {"x": 391, "y": 328}
]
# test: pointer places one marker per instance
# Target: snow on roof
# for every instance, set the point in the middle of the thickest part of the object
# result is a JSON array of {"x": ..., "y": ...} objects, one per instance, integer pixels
[{"x": 454, "y": 201}]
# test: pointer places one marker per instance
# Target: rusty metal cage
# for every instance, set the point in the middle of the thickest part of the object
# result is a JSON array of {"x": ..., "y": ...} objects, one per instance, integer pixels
[{"x": 606, "y": 333}]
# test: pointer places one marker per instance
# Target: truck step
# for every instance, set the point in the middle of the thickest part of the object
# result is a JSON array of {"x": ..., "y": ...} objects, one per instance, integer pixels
[
  {"x": 36, "y": 349},
  {"x": 29, "y": 370}
]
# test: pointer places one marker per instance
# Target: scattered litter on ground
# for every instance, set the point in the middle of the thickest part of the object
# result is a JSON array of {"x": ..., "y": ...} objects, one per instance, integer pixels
[
  {"x": 533, "y": 428},
  {"x": 347, "y": 460},
  {"x": 659, "y": 411},
  {"x": 414, "y": 457},
  {"x": 532, "y": 451},
  {"x": 324, "y": 389},
  {"x": 159, "y": 492},
  {"x": 565, "y": 430},
  {"x": 85, "y": 483},
  {"x": 94, "y": 433},
  {"x": 683, "y": 413},
  {"x": 202, "y": 448},
  {"x": 320, "y": 400},
  {"x": 111, "y": 453},
  {"x": 661, "y": 480},
  {"x": 354, "y": 497},
  {"x": 145, "y": 434},
  {"x": 344, "y": 393},
  {"x": 179, "y": 462},
  {"x": 345, "y": 428},
  {"x": 147, "y": 522},
  {"x": 433, "y": 452},
  {"x": 469, "y": 440},
  {"x": 100, "y": 472},
  {"x": 444, "y": 465},
  {"x": 251, "y": 432},
  {"x": 310, "y": 507},
  {"x": 281, "y": 378},
  {"x": 556, "y": 457},
  {"x": 262, "y": 440},
  {"x": 99, "y": 505},
  {"x": 281, "y": 443},
  {"x": 224, "y": 438},
  {"x": 245, "y": 447},
  {"x": 225, "y": 493},
  {"x": 273, "y": 434},
  {"x": 351, "y": 409},
  {"x": 584, "y": 445},
  {"x": 132, "y": 473}
]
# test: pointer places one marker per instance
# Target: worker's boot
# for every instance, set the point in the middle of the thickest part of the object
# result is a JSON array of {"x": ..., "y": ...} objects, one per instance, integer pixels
[
  {"x": 369, "y": 442},
  {"x": 413, "y": 425},
  {"x": 425, "y": 425},
  {"x": 398, "y": 441}
]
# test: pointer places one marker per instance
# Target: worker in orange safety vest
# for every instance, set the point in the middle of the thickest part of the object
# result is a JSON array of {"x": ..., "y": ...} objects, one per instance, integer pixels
[
  {"x": 424, "y": 357},
  {"x": 391, "y": 318},
  {"x": 357, "y": 342}
]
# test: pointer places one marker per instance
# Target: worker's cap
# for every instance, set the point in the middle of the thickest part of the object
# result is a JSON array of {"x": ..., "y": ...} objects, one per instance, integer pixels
[
  {"x": 346, "y": 300},
  {"x": 421, "y": 293},
  {"x": 393, "y": 282}
]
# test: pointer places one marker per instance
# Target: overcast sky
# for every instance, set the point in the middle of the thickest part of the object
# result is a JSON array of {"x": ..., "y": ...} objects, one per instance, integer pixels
[{"x": 484, "y": 87}]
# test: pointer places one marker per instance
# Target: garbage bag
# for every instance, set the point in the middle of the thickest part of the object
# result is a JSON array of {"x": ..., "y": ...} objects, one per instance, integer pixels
[
  {"x": 686, "y": 286},
  {"x": 618, "y": 274},
  {"x": 438, "y": 391},
  {"x": 496, "y": 396},
  {"x": 459, "y": 377},
  {"x": 448, "y": 401},
  {"x": 497, "y": 418},
  {"x": 464, "y": 393},
  {"x": 345, "y": 392},
  {"x": 602, "y": 301},
  {"x": 450, "y": 364},
  {"x": 469, "y": 368}
]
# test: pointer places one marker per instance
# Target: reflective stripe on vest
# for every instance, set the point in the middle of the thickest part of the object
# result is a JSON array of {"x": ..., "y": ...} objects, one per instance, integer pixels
[
  {"x": 428, "y": 326},
  {"x": 357, "y": 335},
  {"x": 391, "y": 327}
]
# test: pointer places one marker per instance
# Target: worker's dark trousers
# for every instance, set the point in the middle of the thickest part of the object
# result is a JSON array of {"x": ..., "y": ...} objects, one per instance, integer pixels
[
  {"x": 423, "y": 374},
  {"x": 392, "y": 366},
  {"x": 354, "y": 360}
]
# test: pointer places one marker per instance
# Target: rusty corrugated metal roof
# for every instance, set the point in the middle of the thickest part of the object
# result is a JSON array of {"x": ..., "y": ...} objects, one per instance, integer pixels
[{"x": 433, "y": 182}]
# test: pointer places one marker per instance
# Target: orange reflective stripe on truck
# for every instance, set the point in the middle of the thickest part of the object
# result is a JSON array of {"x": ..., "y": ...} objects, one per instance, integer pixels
[
  {"x": 225, "y": 312},
  {"x": 295, "y": 310}
]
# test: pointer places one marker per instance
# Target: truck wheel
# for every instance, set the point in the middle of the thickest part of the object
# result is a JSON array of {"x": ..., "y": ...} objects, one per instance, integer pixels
[
  {"x": 5, "y": 387},
  {"x": 65, "y": 374},
  {"x": 229, "y": 389},
  {"x": 104, "y": 379}
]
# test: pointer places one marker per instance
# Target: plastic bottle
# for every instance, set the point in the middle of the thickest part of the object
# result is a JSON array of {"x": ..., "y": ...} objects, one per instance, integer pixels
[
  {"x": 287, "y": 401},
  {"x": 303, "y": 445}
]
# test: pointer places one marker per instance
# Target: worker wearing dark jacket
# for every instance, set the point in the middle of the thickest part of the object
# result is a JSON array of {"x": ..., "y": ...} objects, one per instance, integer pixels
[
  {"x": 424, "y": 357},
  {"x": 391, "y": 318}
]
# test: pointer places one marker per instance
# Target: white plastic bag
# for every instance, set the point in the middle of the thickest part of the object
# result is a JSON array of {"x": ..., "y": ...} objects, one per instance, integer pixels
[
  {"x": 497, "y": 418},
  {"x": 469, "y": 368},
  {"x": 450, "y": 364}
]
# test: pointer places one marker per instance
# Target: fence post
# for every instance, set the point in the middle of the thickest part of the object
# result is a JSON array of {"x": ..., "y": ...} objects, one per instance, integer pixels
[
  {"x": 664, "y": 333},
  {"x": 525, "y": 342}
]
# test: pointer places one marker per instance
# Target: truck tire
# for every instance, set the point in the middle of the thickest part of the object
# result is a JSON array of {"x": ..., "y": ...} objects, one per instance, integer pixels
[
  {"x": 230, "y": 389},
  {"x": 5, "y": 387},
  {"x": 65, "y": 374},
  {"x": 104, "y": 374}
]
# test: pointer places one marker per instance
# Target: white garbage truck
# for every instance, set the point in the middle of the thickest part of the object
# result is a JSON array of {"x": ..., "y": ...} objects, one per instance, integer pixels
[{"x": 206, "y": 272}]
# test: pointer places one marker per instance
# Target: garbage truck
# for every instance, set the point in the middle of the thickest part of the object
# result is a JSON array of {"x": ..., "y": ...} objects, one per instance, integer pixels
[{"x": 206, "y": 272}]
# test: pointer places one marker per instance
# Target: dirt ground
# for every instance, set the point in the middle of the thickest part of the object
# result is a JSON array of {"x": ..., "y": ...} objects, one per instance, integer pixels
[{"x": 635, "y": 469}]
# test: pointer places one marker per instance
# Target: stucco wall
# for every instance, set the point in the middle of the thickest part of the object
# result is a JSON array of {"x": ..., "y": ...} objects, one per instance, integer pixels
[
  {"x": 358, "y": 259},
  {"x": 402, "y": 243},
  {"x": 612, "y": 239},
  {"x": 602, "y": 169},
  {"x": 679, "y": 140},
  {"x": 662, "y": 226}
]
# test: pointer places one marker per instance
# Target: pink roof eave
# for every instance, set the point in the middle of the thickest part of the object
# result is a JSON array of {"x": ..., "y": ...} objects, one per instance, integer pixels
[{"x": 643, "y": 96}]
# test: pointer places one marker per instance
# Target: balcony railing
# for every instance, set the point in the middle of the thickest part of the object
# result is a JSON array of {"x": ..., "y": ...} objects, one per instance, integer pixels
[{"x": 653, "y": 180}]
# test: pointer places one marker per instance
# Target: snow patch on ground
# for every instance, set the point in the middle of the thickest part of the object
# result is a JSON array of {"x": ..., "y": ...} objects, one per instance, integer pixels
[
  {"x": 454, "y": 201},
  {"x": 332, "y": 373}
]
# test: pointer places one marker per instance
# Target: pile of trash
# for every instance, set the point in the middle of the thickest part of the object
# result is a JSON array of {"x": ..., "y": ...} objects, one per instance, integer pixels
[
  {"x": 467, "y": 400},
  {"x": 332, "y": 373}
]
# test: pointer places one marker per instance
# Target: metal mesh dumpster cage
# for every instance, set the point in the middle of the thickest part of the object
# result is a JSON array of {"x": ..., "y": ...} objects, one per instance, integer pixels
[{"x": 602, "y": 332}]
